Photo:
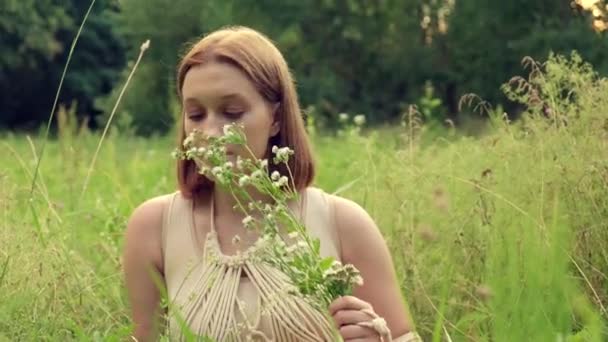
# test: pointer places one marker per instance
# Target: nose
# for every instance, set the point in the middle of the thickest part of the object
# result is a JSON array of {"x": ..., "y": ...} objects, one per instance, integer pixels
[{"x": 213, "y": 125}]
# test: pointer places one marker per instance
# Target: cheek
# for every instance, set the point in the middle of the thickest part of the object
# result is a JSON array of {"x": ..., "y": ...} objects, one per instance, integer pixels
[
  {"x": 257, "y": 144},
  {"x": 257, "y": 141}
]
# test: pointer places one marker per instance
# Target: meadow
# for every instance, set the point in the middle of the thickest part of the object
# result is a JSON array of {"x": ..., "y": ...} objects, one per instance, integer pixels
[{"x": 500, "y": 236}]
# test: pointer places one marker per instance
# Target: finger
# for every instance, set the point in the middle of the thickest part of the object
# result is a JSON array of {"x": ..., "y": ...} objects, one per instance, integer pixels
[
  {"x": 348, "y": 303},
  {"x": 349, "y": 332},
  {"x": 344, "y": 317}
]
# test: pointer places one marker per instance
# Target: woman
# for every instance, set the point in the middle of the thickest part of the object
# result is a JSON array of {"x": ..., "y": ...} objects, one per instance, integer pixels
[{"x": 176, "y": 241}]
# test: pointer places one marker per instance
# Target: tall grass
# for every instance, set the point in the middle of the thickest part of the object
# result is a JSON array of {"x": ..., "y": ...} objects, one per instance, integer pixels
[{"x": 502, "y": 237}]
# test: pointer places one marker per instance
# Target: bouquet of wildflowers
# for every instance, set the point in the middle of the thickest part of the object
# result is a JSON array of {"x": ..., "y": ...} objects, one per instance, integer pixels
[{"x": 291, "y": 249}]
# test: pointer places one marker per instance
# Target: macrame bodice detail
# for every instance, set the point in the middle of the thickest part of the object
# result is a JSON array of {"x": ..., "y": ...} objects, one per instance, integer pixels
[{"x": 239, "y": 297}]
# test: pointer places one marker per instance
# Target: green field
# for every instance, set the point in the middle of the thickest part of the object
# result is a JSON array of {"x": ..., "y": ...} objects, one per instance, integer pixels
[{"x": 502, "y": 236}]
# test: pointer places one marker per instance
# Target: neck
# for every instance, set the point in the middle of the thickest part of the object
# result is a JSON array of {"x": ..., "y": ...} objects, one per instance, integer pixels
[{"x": 224, "y": 201}]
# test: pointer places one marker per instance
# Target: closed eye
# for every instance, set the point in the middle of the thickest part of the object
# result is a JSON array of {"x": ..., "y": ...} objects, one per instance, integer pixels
[
  {"x": 195, "y": 116},
  {"x": 234, "y": 115}
]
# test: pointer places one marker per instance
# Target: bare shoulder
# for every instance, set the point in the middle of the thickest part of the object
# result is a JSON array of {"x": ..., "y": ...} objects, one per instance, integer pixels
[
  {"x": 148, "y": 215},
  {"x": 143, "y": 236},
  {"x": 355, "y": 226},
  {"x": 143, "y": 262}
]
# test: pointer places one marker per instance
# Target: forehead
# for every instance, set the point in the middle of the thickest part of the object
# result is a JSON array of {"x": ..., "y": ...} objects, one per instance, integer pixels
[{"x": 215, "y": 80}]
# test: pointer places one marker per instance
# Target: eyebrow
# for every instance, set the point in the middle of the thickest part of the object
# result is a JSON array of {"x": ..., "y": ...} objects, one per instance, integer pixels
[{"x": 223, "y": 97}]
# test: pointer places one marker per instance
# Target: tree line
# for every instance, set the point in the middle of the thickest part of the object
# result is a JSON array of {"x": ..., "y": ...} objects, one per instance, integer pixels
[{"x": 354, "y": 56}]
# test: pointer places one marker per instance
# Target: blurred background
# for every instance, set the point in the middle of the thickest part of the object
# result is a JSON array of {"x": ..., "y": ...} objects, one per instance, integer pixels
[{"x": 354, "y": 56}]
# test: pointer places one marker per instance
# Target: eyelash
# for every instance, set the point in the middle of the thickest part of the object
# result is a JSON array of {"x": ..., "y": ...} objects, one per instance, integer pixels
[
  {"x": 233, "y": 115},
  {"x": 196, "y": 116}
]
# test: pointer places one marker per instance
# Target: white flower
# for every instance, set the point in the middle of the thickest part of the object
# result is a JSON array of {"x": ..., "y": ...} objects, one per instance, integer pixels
[
  {"x": 330, "y": 272},
  {"x": 282, "y": 181},
  {"x": 269, "y": 217},
  {"x": 175, "y": 154},
  {"x": 350, "y": 268},
  {"x": 216, "y": 170},
  {"x": 359, "y": 119},
  {"x": 264, "y": 240},
  {"x": 275, "y": 175},
  {"x": 228, "y": 165},
  {"x": 239, "y": 162},
  {"x": 236, "y": 239},
  {"x": 343, "y": 117},
  {"x": 189, "y": 154},
  {"x": 244, "y": 180},
  {"x": 257, "y": 174},
  {"x": 233, "y": 134},
  {"x": 264, "y": 163},
  {"x": 358, "y": 280},
  {"x": 227, "y": 129},
  {"x": 275, "y": 148},
  {"x": 282, "y": 154},
  {"x": 189, "y": 140},
  {"x": 247, "y": 221},
  {"x": 291, "y": 248},
  {"x": 293, "y": 235},
  {"x": 298, "y": 246}
]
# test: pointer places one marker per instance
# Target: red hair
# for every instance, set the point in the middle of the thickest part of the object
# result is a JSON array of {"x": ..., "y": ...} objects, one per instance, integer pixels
[{"x": 255, "y": 55}]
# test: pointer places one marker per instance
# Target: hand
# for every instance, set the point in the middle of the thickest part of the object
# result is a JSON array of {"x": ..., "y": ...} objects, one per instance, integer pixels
[{"x": 347, "y": 313}]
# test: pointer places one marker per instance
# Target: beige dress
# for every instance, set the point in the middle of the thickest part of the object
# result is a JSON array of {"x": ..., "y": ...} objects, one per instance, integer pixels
[{"x": 239, "y": 297}]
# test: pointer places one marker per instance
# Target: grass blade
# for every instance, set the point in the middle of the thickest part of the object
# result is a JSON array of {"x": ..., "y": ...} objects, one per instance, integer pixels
[
  {"x": 65, "y": 69},
  {"x": 143, "y": 49}
]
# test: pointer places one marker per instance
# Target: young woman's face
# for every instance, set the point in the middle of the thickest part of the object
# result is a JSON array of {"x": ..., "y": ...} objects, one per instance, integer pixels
[{"x": 216, "y": 94}]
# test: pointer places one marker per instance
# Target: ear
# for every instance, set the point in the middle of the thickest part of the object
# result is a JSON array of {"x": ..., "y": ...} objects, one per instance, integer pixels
[{"x": 276, "y": 127}]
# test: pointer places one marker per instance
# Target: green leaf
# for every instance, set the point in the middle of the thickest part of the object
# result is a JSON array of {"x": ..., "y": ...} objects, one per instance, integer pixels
[
  {"x": 316, "y": 244},
  {"x": 326, "y": 263}
]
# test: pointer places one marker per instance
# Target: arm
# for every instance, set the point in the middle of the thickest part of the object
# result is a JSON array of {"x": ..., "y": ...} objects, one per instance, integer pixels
[
  {"x": 142, "y": 258},
  {"x": 365, "y": 248}
]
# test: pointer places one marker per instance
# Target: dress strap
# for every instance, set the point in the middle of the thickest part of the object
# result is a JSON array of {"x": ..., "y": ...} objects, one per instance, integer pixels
[
  {"x": 212, "y": 214},
  {"x": 166, "y": 218}
]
